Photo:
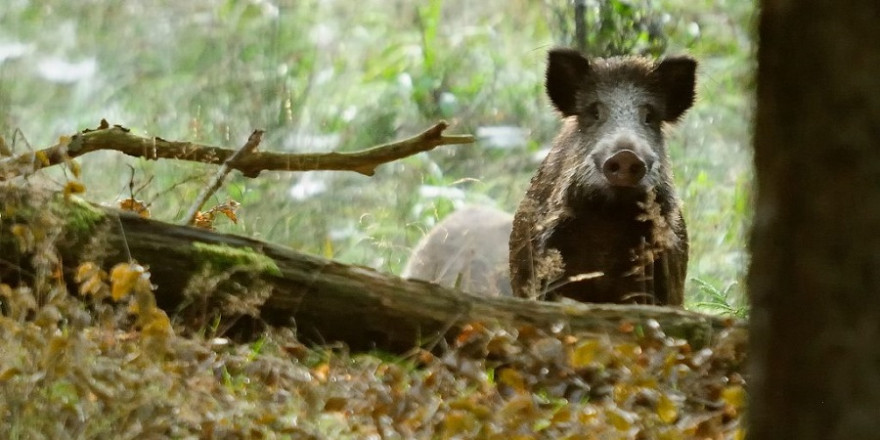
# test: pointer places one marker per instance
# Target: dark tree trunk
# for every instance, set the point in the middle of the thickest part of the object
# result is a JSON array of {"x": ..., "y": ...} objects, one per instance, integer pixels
[
  {"x": 580, "y": 25},
  {"x": 815, "y": 273}
]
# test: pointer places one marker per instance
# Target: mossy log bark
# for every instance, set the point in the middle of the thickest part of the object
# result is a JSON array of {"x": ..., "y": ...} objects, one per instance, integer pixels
[{"x": 324, "y": 300}]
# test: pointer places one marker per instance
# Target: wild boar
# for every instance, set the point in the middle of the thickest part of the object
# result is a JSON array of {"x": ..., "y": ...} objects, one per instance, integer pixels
[
  {"x": 467, "y": 250},
  {"x": 600, "y": 221}
]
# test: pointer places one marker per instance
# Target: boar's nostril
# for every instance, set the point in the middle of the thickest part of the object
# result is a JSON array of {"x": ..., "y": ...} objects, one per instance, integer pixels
[{"x": 624, "y": 168}]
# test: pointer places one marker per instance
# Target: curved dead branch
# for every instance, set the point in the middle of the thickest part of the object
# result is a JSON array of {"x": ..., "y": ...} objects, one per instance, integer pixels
[{"x": 118, "y": 138}]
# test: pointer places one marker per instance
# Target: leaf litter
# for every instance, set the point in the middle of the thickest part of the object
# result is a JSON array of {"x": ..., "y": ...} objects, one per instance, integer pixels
[{"x": 491, "y": 382}]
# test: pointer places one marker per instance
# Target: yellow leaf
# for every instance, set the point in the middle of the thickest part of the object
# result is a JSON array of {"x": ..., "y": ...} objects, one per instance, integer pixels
[
  {"x": 42, "y": 158},
  {"x": 623, "y": 391},
  {"x": 91, "y": 278},
  {"x": 136, "y": 206},
  {"x": 668, "y": 434},
  {"x": 124, "y": 277},
  {"x": 563, "y": 415},
  {"x": 25, "y": 237},
  {"x": 267, "y": 418},
  {"x": 628, "y": 351},
  {"x": 619, "y": 419},
  {"x": 471, "y": 405},
  {"x": 9, "y": 373},
  {"x": 513, "y": 379},
  {"x": 92, "y": 286},
  {"x": 73, "y": 187},
  {"x": 157, "y": 324},
  {"x": 85, "y": 270},
  {"x": 134, "y": 308},
  {"x": 73, "y": 165},
  {"x": 521, "y": 407},
  {"x": 588, "y": 415},
  {"x": 734, "y": 396},
  {"x": 155, "y": 330},
  {"x": 585, "y": 353},
  {"x": 458, "y": 422},
  {"x": 666, "y": 409},
  {"x": 669, "y": 362}
]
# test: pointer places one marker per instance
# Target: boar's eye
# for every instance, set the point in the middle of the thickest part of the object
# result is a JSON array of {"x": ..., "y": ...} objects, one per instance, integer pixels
[
  {"x": 592, "y": 111},
  {"x": 649, "y": 115}
]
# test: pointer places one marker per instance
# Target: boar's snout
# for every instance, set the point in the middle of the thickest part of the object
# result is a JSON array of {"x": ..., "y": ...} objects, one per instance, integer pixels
[{"x": 624, "y": 168}]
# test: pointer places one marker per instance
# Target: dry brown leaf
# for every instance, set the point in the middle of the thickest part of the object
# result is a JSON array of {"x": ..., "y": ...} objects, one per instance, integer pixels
[
  {"x": 136, "y": 206},
  {"x": 73, "y": 187}
]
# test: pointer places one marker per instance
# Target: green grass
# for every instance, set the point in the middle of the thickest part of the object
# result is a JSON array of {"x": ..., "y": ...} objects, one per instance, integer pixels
[{"x": 305, "y": 70}]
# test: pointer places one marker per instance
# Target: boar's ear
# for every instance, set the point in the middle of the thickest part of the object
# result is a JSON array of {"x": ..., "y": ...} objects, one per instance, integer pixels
[
  {"x": 567, "y": 70},
  {"x": 677, "y": 78}
]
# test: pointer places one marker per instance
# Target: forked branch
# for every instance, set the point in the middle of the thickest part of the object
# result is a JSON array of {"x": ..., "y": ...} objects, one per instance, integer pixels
[{"x": 118, "y": 138}]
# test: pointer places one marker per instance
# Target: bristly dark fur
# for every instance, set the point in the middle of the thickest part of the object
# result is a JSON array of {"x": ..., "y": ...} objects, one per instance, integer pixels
[{"x": 616, "y": 244}]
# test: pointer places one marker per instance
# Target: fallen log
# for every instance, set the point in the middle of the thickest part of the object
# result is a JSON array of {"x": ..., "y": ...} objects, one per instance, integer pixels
[{"x": 324, "y": 300}]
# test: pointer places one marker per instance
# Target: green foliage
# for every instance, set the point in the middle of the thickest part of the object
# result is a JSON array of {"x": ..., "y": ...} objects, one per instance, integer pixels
[
  {"x": 613, "y": 27},
  {"x": 223, "y": 258},
  {"x": 719, "y": 300}
]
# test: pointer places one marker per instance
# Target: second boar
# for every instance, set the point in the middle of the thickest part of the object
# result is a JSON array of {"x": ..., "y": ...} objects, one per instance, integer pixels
[{"x": 466, "y": 250}]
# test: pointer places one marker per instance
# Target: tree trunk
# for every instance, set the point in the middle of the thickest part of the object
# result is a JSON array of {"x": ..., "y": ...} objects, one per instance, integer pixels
[
  {"x": 815, "y": 273},
  {"x": 324, "y": 300}
]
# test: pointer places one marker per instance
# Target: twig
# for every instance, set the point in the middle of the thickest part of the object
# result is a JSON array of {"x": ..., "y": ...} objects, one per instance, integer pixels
[
  {"x": 248, "y": 148},
  {"x": 120, "y": 139}
]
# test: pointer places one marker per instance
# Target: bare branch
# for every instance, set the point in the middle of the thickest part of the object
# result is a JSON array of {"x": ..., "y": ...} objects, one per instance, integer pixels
[
  {"x": 248, "y": 148},
  {"x": 120, "y": 139}
]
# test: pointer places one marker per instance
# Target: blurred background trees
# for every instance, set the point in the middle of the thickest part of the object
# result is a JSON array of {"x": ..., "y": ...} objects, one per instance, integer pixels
[{"x": 323, "y": 75}]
